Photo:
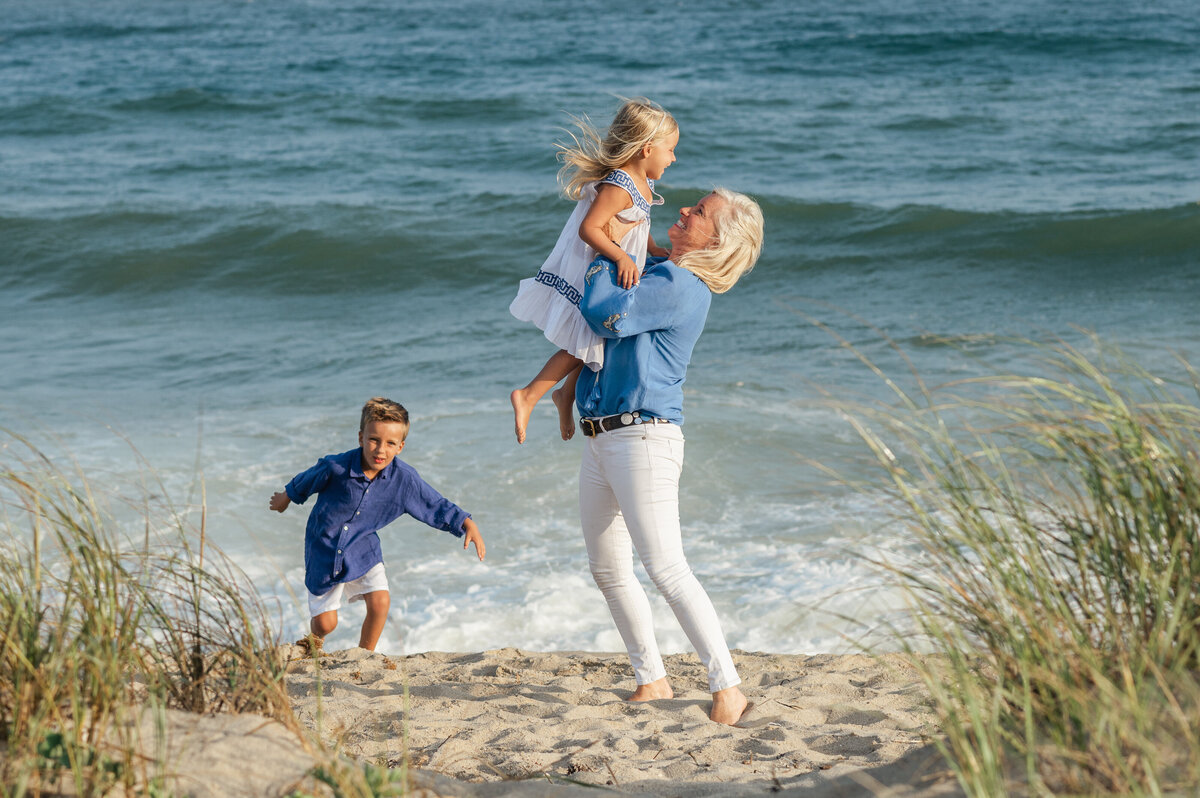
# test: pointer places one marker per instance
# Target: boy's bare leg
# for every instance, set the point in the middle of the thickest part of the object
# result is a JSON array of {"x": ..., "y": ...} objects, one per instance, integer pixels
[
  {"x": 320, "y": 626},
  {"x": 564, "y": 400},
  {"x": 560, "y": 364},
  {"x": 378, "y": 603},
  {"x": 659, "y": 688}
]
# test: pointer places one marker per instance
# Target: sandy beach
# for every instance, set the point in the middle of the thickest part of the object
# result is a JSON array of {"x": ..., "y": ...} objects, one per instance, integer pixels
[
  {"x": 557, "y": 725},
  {"x": 511, "y": 721}
]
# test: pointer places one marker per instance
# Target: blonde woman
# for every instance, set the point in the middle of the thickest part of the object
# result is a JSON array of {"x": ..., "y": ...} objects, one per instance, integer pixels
[
  {"x": 611, "y": 178},
  {"x": 631, "y": 412}
]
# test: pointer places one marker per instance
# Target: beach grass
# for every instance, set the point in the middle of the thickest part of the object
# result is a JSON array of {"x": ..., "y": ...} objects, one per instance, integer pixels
[
  {"x": 103, "y": 620},
  {"x": 101, "y": 625},
  {"x": 1057, "y": 578}
]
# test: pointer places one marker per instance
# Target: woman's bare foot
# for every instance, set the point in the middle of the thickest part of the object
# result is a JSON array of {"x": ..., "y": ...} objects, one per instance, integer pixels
[
  {"x": 728, "y": 706},
  {"x": 522, "y": 408},
  {"x": 659, "y": 688},
  {"x": 566, "y": 412}
]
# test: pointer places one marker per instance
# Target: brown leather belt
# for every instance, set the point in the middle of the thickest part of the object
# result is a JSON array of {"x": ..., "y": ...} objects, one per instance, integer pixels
[{"x": 592, "y": 427}]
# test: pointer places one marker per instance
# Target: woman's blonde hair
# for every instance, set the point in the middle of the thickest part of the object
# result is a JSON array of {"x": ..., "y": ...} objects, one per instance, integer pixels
[
  {"x": 592, "y": 155},
  {"x": 737, "y": 243}
]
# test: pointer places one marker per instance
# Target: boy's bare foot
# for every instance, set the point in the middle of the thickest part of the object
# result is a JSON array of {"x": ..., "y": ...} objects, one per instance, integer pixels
[
  {"x": 522, "y": 408},
  {"x": 310, "y": 645},
  {"x": 728, "y": 706},
  {"x": 566, "y": 412},
  {"x": 659, "y": 688}
]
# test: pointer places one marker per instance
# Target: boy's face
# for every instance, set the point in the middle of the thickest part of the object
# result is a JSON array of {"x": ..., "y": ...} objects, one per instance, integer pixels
[{"x": 380, "y": 441}]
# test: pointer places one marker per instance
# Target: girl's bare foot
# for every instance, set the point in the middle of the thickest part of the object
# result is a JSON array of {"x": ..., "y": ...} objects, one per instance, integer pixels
[
  {"x": 565, "y": 402},
  {"x": 522, "y": 407},
  {"x": 728, "y": 706},
  {"x": 659, "y": 688}
]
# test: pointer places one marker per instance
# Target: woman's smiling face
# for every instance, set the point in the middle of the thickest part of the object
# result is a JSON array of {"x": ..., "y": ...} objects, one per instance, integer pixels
[{"x": 695, "y": 228}]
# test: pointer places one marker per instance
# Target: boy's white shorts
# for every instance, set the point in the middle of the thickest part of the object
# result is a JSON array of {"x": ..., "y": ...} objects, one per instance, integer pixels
[{"x": 345, "y": 592}]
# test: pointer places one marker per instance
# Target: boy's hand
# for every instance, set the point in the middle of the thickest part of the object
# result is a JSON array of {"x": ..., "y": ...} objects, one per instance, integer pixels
[
  {"x": 627, "y": 272},
  {"x": 472, "y": 536},
  {"x": 280, "y": 501}
]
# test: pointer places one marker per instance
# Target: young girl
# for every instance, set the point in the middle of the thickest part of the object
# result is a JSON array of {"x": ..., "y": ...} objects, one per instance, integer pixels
[{"x": 612, "y": 178}]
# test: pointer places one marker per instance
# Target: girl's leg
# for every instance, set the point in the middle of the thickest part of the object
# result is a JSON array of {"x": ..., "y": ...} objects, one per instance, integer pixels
[
  {"x": 646, "y": 484},
  {"x": 564, "y": 400},
  {"x": 560, "y": 364},
  {"x": 378, "y": 603},
  {"x": 610, "y": 557}
]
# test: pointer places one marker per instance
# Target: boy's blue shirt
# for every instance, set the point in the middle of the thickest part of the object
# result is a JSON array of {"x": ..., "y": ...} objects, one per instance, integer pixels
[
  {"x": 340, "y": 541},
  {"x": 650, "y": 331}
]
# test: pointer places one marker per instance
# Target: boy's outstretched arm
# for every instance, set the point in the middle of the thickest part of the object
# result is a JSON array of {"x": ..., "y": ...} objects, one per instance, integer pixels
[
  {"x": 472, "y": 536},
  {"x": 280, "y": 502}
]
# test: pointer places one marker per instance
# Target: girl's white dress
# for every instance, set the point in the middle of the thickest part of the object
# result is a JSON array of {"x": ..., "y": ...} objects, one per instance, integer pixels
[{"x": 551, "y": 299}]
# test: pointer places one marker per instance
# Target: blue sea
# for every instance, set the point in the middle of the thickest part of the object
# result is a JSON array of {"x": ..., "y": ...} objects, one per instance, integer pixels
[{"x": 224, "y": 225}]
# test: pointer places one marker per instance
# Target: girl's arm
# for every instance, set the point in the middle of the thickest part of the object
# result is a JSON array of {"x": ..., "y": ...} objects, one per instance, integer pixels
[
  {"x": 610, "y": 200},
  {"x": 655, "y": 249}
]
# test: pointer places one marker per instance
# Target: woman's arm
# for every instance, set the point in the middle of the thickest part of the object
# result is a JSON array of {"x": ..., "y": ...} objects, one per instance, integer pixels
[{"x": 613, "y": 312}]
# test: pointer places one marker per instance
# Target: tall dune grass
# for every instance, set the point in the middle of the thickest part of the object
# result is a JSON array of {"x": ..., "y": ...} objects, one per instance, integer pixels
[
  {"x": 96, "y": 626},
  {"x": 1058, "y": 579}
]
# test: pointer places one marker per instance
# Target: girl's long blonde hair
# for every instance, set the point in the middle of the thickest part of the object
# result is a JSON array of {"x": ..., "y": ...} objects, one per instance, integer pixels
[
  {"x": 592, "y": 155},
  {"x": 737, "y": 243}
]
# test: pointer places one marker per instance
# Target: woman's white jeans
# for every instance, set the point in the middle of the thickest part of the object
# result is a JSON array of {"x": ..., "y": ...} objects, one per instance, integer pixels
[{"x": 629, "y": 492}]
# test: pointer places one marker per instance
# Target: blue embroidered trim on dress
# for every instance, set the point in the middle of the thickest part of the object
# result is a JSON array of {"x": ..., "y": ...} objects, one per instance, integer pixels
[
  {"x": 559, "y": 284},
  {"x": 619, "y": 178}
]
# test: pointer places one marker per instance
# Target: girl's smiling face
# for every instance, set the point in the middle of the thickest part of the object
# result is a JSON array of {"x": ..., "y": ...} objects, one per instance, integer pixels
[{"x": 660, "y": 154}]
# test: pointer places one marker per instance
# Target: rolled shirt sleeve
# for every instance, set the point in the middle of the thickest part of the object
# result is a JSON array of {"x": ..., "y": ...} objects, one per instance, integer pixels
[
  {"x": 308, "y": 482},
  {"x": 428, "y": 506}
]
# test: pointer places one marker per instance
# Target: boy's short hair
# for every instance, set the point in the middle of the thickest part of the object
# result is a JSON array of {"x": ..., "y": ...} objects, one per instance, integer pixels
[{"x": 379, "y": 409}]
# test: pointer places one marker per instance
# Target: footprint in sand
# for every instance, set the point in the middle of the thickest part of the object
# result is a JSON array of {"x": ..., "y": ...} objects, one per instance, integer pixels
[
  {"x": 843, "y": 744},
  {"x": 851, "y": 716}
]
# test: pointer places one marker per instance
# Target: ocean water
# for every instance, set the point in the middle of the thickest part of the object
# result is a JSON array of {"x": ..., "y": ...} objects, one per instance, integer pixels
[{"x": 224, "y": 225}]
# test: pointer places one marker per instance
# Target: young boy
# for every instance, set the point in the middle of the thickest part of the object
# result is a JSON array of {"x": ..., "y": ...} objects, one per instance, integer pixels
[{"x": 362, "y": 491}]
